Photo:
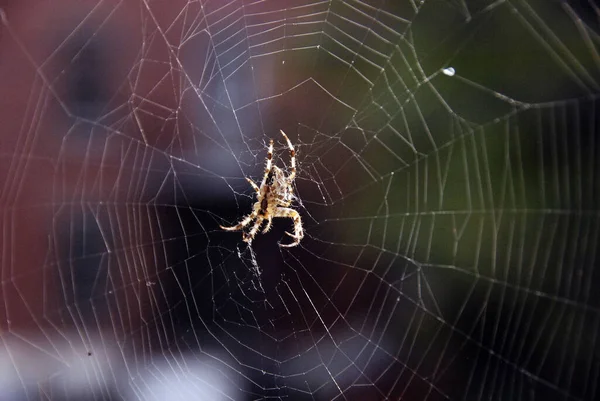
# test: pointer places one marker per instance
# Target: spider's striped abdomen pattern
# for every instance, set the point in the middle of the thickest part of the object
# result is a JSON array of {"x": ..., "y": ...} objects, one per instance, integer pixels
[{"x": 274, "y": 197}]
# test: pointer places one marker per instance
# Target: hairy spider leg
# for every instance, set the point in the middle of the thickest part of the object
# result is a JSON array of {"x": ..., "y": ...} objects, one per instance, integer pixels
[
  {"x": 242, "y": 223},
  {"x": 250, "y": 236},
  {"x": 298, "y": 232},
  {"x": 269, "y": 164},
  {"x": 256, "y": 188},
  {"x": 292, "y": 157},
  {"x": 269, "y": 224},
  {"x": 284, "y": 201}
]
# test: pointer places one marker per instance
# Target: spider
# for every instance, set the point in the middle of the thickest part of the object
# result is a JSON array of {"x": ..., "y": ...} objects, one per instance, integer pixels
[{"x": 274, "y": 196}]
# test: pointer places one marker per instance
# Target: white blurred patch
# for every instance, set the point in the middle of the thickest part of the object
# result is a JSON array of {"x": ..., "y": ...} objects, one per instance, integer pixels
[
  {"x": 26, "y": 363},
  {"x": 186, "y": 378},
  {"x": 449, "y": 71}
]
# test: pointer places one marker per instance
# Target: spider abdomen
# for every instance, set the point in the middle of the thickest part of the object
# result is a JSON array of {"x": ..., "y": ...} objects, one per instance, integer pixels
[{"x": 264, "y": 204}]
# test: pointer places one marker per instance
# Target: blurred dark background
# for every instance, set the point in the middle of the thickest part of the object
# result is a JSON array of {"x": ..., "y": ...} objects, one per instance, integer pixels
[{"x": 447, "y": 182}]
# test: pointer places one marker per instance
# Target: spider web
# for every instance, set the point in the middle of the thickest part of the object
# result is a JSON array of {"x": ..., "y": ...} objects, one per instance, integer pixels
[{"x": 447, "y": 182}]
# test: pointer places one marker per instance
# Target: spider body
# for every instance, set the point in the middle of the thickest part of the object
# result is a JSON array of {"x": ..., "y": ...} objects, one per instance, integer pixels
[{"x": 274, "y": 197}]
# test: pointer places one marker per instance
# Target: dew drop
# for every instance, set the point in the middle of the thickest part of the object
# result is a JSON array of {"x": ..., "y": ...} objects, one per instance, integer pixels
[{"x": 449, "y": 71}]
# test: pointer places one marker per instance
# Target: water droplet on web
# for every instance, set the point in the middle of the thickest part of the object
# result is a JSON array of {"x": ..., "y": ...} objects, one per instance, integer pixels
[{"x": 449, "y": 71}]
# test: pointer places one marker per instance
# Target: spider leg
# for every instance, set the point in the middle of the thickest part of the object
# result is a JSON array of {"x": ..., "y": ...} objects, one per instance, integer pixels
[
  {"x": 269, "y": 164},
  {"x": 284, "y": 201},
  {"x": 256, "y": 188},
  {"x": 252, "y": 233},
  {"x": 242, "y": 223},
  {"x": 298, "y": 231},
  {"x": 268, "y": 226},
  {"x": 292, "y": 157}
]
